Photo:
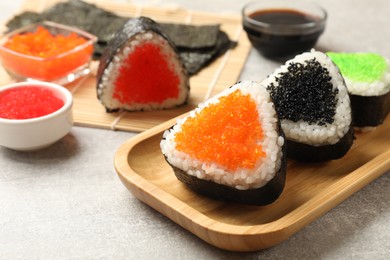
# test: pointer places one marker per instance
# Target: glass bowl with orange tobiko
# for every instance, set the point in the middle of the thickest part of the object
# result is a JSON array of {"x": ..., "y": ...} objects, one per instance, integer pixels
[{"x": 47, "y": 51}]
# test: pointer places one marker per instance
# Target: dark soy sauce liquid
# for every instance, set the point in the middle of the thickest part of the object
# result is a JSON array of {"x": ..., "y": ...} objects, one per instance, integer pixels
[
  {"x": 280, "y": 45},
  {"x": 282, "y": 16}
]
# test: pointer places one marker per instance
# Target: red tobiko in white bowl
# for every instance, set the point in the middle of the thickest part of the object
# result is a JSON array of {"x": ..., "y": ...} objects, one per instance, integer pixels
[{"x": 34, "y": 115}]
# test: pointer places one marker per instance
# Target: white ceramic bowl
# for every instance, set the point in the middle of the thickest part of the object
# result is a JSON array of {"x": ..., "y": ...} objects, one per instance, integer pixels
[{"x": 40, "y": 132}]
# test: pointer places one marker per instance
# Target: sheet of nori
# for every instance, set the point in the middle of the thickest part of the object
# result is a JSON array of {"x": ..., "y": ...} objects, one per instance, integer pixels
[
  {"x": 198, "y": 45},
  {"x": 194, "y": 60},
  {"x": 23, "y": 19},
  {"x": 191, "y": 36}
]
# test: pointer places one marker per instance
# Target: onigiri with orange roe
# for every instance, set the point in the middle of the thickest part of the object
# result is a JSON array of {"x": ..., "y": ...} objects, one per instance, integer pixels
[
  {"x": 141, "y": 70},
  {"x": 231, "y": 147}
]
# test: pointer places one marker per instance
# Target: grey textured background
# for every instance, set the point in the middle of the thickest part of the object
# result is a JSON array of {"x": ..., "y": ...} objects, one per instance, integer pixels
[{"x": 66, "y": 202}]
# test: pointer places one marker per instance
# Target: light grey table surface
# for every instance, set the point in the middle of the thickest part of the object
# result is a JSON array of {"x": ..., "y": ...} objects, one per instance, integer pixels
[{"x": 66, "y": 202}]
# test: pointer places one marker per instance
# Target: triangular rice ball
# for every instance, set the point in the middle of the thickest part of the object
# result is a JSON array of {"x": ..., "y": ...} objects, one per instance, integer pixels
[
  {"x": 230, "y": 147},
  {"x": 313, "y": 105},
  {"x": 141, "y": 70}
]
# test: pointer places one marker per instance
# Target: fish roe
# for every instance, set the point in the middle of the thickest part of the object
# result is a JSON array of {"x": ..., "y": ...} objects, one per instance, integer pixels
[
  {"x": 305, "y": 92},
  {"x": 43, "y": 55},
  {"x": 146, "y": 77},
  {"x": 361, "y": 67},
  {"x": 227, "y": 133},
  {"x": 28, "y": 102}
]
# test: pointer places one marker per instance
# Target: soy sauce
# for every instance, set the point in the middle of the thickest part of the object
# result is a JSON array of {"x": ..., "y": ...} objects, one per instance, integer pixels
[
  {"x": 282, "y": 16},
  {"x": 280, "y": 40}
]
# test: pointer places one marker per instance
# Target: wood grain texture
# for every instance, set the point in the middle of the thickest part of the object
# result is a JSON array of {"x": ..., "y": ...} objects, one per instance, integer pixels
[
  {"x": 311, "y": 190},
  {"x": 220, "y": 74}
]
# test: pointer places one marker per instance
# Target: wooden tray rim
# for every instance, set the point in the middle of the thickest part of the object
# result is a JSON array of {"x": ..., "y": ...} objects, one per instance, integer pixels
[{"x": 276, "y": 231}]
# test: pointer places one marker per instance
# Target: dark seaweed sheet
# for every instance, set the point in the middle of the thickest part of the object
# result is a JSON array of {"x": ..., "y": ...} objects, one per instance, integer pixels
[
  {"x": 198, "y": 45},
  {"x": 88, "y": 17},
  {"x": 191, "y": 36},
  {"x": 23, "y": 19},
  {"x": 192, "y": 58}
]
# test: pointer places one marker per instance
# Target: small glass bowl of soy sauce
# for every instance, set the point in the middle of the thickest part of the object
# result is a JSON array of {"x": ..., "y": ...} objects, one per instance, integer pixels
[{"x": 281, "y": 29}]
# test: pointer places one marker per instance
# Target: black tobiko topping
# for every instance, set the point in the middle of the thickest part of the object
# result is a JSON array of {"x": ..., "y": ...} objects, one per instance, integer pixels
[{"x": 305, "y": 93}]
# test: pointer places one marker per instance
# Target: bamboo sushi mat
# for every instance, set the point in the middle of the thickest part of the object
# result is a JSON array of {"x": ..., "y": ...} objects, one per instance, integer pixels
[{"x": 221, "y": 74}]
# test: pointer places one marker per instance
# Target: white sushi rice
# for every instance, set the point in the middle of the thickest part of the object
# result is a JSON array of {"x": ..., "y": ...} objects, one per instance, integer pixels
[
  {"x": 106, "y": 87},
  {"x": 374, "y": 88},
  {"x": 314, "y": 134},
  {"x": 242, "y": 179}
]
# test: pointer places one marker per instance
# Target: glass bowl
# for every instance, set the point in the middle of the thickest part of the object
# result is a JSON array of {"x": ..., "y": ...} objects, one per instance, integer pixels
[
  {"x": 36, "y": 132},
  {"x": 64, "y": 66},
  {"x": 281, "y": 29}
]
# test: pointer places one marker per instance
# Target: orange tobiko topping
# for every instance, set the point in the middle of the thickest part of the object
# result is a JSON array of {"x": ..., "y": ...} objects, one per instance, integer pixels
[
  {"x": 45, "y": 56},
  {"x": 42, "y": 43},
  {"x": 226, "y": 133}
]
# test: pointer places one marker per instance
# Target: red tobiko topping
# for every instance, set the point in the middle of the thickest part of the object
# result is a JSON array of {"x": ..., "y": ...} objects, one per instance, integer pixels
[
  {"x": 28, "y": 102},
  {"x": 146, "y": 76}
]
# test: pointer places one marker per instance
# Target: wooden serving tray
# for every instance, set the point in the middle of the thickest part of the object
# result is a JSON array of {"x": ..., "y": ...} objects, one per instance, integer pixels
[
  {"x": 311, "y": 190},
  {"x": 220, "y": 74}
]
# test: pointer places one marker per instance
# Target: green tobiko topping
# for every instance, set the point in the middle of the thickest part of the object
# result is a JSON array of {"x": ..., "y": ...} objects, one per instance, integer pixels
[{"x": 361, "y": 67}]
